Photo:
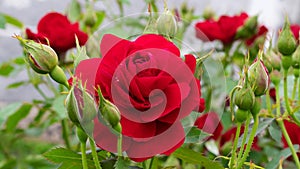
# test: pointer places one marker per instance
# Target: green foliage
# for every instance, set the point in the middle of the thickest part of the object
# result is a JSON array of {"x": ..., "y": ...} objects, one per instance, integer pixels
[{"x": 193, "y": 157}]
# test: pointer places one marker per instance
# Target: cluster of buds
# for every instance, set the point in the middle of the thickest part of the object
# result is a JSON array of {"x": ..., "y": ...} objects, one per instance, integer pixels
[
  {"x": 43, "y": 60},
  {"x": 255, "y": 83}
]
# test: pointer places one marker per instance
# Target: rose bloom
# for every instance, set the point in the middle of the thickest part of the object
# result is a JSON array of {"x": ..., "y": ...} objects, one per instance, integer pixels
[
  {"x": 152, "y": 87},
  {"x": 223, "y": 29},
  {"x": 210, "y": 123},
  {"x": 56, "y": 29},
  {"x": 295, "y": 29}
]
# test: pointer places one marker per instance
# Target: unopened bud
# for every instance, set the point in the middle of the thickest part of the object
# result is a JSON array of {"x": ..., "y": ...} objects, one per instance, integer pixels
[
  {"x": 241, "y": 115},
  {"x": 286, "y": 41},
  {"x": 109, "y": 112},
  {"x": 258, "y": 78},
  {"x": 82, "y": 136},
  {"x": 90, "y": 17},
  {"x": 296, "y": 72},
  {"x": 286, "y": 62},
  {"x": 208, "y": 13},
  {"x": 296, "y": 58},
  {"x": 166, "y": 24},
  {"x": 272, "y": 60},
  {"x": 41, "y": 58},
  {"x": 256, "y": 107},
  {"x": 244, "y": 98},
  {"x": 275, "y": 77},
  {"x": 81, "y": 106},
  {"x": 248, "y": 29}
]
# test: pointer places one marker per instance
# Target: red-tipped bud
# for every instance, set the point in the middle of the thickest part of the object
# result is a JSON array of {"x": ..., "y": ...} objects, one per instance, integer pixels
[
  {"x": 41, "y": 58},
  {"x": 259, "y": 78}
]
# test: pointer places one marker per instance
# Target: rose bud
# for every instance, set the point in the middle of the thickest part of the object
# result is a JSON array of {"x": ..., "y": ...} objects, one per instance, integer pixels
[
  {"x": 275, "y": 77},
  {"x": 166, "y": 24},
  {"x": 286, "y": 43},
  {"x": 82, "y": 136},
  {"x": 90, "y": 17},
  {"x": 109, "y": 113},
  {"x": 41, "y": 58},
  {"x": 258, "y": 78},
  {"x": 286, "y": 62},
  {"x": 244, "y": 98},
  {"x": 272, "y": 60},
  {"x": 248, "y": 29},
  {"x": 241, "y": 115},
  {"x": 82, "y": 108},
  {"x": 208, "y": 13},
  {"x": 296, "y": 58}
]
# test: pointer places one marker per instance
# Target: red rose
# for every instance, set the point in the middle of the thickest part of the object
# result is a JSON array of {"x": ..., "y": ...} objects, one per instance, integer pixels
[
  {"x": 224, "y": 29},
  {"x": 59, "y": 31},
  {"x": 261, "y": 32},
  {"x": 151, "y": 86},
  {"x": 295, "y": 29},
  {"x": 230, "y": 135},
  {"x": 210, "y": 123}
]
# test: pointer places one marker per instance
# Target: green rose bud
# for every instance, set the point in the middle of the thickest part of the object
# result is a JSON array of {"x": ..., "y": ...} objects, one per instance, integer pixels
[
  {"x": 258, "y": 78},
  {"x": 244, "y": 98},
  {"x": 208, "y": 13},
  {"x": 272, "y": 60},
  {"x": 248, "y": 29},
  {"x": 296, "y": 58},
  {"x": 41, "y": 58},
  {"x": 275, "y": 77},
  {"x": 286, "y": 62},
  {"x": 257, "y": 106},
  {"x": 81, "y": 106},
  {"x": 90, "y": 17},
  {"x": 59, "y": 76},
  {"x": 82, "y": 136},
  {"x": 109, "y": 112},
  {"x": 166, "y": 24},
  {"x": 241, "y": 115},
  {"x": 286, "y": 43}
]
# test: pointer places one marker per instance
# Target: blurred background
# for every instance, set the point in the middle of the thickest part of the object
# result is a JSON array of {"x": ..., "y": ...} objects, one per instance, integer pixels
[{"x": 271, "y": 13}]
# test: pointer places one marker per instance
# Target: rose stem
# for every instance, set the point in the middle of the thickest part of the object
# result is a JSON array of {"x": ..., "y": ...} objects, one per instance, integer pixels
[
  {"x": 244, "y": 138},
  {"x": 94, "y": 154},
  {"x": 237, "y": 134}
]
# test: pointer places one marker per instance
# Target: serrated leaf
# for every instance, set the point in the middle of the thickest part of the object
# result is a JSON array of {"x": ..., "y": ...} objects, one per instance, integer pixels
[
  {"x": 193, "y": 157},
  {"x": 70, "y": 165},
  {"x": 275, "y": 132},
  {"x": 59, "y": 107},
  {"x": 59, "y": 155},
  {"x": 17, "y": 116},
  {"x": 261, "y": 127},
  {"x": 6, "y": 69},
  {"x": 10, "y": 109},
  {"x": 121, "y": 163},
  {"x": 273, "y": 164},
  {"x": 16, "y": 84}
]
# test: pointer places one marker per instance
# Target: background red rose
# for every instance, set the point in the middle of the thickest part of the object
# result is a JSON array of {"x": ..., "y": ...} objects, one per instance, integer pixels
[
  {"x": 295, "y": 29},
  {"x": 223, "y": 29},
  {"x": 210, "y": 123},
  {"x": 153, "y": 89},
  {"x": 59, "y": 31}
]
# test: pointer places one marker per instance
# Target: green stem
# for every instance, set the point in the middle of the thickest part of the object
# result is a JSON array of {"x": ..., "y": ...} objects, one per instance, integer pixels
[
  {"x": 250, "y": 141},
  {"x": 151, "y": 162},
  {"x": 277, "y": 100},
  {"x": 120, "y": 145},
  {"x": 65, "y": 133},
  {"x": 295, "y": 87},
  {"x": 299, "y": 91},
  {"x": 83, "y": 155},
  {"x": 244, "y": 138},
  {"x": 94, "y": 154},
  {"x": 40, "y": 92},
  {"x": 237, "y": 135},
  {"x": 285, "y": 92},
  {"x": 288, "y": 140},
  {"x": 268, "y": 101}
]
